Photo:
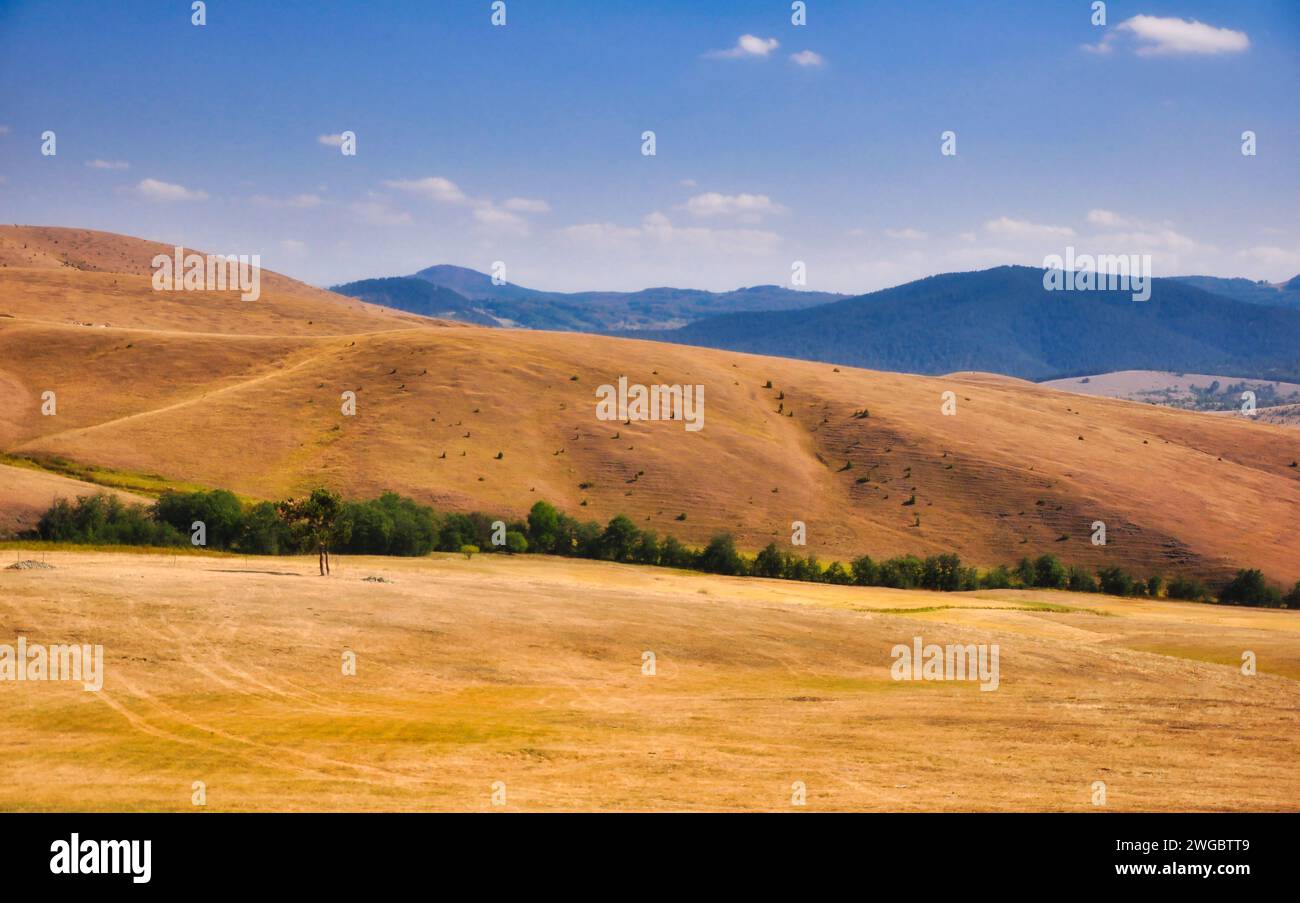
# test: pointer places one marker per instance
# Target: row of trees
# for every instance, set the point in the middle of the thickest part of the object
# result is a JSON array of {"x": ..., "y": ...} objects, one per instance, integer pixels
[{"x": 391, "y": 524}]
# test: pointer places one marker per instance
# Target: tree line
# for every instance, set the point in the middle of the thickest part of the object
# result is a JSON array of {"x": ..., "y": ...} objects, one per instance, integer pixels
[{"x": 322, "y": 522}]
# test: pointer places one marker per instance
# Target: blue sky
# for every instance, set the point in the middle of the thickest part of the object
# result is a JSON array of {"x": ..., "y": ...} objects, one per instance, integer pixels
[{"x": 817, "y": 143}]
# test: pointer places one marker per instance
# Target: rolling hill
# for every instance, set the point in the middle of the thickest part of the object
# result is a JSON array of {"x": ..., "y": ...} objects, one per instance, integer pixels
[
  {"x": 202, "y": 388},
  {"x": 1003, "y": 320}
]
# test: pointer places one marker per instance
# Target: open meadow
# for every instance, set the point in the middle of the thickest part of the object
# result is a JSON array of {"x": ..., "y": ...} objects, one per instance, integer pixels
[{"x": 528, "y": 670}]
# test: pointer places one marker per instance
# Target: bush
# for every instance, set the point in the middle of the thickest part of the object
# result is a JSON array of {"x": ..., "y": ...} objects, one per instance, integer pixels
[
  {"x": 1080, "y": 580},
  {"x": 265, "y": 533},
  {"x": 647, "y": 548},
  {"x": 675, "y": 555},
  {"x": 865, "y": 572},
  {"x": 1154, "y": 583},
  {"x": 1250, "y": 588},
  {"x": 102, "y": 519},
  {"x": 770, "y": 562},
  {"x": 1115, "y": 581},
  {"x": 1049, "y": 573},
  {"x": 1025, "y": 573},
  {"x": 543, "y": 526},
  {"x": 516, "y": 542},
  {"x": 619, "y": 540},
  {"x": 941, "y": 572},
  {"x": 903, "y": 572},
  {"x": 219, "y": 511},
  {"x": 998, "y": 578},
  {"x": 469, "y": 551},
  {"x": 1186, "y": 588},
  {"x": 720, "y": 557},
  {"x": 807, "y": 569},
  {"x": 837, "y": 574},
  {"x": 1292, "y": 599}
]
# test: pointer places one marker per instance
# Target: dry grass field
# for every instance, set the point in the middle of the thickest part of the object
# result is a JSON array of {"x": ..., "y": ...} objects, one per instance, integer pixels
[
  {"x": 204, "y": 388},
  {"x": 528, "y": 671}
]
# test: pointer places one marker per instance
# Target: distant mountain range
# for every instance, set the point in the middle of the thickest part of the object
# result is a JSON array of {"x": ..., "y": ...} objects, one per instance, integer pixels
[
  {"x": 1284, "y": 294},
  {"x": 472, "y": 296},
  {"x": 1000, "y": 320}
]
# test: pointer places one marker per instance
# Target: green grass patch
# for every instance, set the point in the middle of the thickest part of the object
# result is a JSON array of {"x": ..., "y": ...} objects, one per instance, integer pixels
[
  {"x": 147, "y": 484},
  {"x": 1029, "y": 606}
]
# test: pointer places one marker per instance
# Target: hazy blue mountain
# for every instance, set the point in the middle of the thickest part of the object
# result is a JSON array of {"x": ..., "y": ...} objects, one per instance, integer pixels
[
  {"x": 588, "y": 311},
  {"x": 1285, "y": 294},
  {"x": 418, "y": 297},
  {"x": 1002, "y": 320}
]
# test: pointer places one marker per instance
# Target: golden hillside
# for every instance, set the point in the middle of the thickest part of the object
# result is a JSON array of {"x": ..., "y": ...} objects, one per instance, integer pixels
[{"x": 201, "y": 387}]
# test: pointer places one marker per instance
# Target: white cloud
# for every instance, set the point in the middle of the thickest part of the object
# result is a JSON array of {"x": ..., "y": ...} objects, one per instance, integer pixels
[
  {"x": 1171, "y": 36},
  {"x": 687, "y": 183},
  {"x": 907, "y": 234},
  {"x": 108, "y": 164},
  {"x": 376, "y": 211},
  {"x": 657, "y": 231},
  {"x": 503, "y": 217},
  {"x": 330, "y": 140},
  {"x": 1271, "y": 255},
  {"x": 1134, "y": 235},
  {"x": 434, "y": 188},
  {"x": 1108, "y": 219},
  {"x": 166, "y": 192},
  {"x": 747, "y": 46},
  {"x": 1018, "y": 228},
  {"x": 526, "y": 205},
  {"x": 747, "y": 208},
  {"x": 808, "y": 59},
  {"x": 297, "y": 201},
  {"x": 500, "y": 220},
  {"x": 1148, "y": 241}
]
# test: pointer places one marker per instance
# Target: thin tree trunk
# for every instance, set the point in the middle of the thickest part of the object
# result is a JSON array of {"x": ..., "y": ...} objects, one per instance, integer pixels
[{"x": 320, "y": 559}]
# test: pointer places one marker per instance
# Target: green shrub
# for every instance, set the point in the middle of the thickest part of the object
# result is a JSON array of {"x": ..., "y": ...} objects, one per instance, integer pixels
[
  {"x": 1250, "y": 588},
  {"x": 1049, "y": 573},
  {"x": 1115, "y": 581}
]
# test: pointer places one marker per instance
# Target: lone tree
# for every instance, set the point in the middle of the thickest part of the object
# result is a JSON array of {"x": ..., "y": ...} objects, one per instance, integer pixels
[{"x": 316, "y": 522}]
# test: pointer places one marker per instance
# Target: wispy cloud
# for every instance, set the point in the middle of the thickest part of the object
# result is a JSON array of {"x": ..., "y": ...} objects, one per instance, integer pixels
[
  {"x": 297, "y": 201},
  {"x": 1108, "y": 219},
  {"x": 748, "y": 46},
  {"x": 526, "y": 205},
  {"x": 330, "y": 140},
  {"x": 504, "y": 217},
  {"x": 746, "y": 208},
  {"x": 658, "y": 231},
  {"x": 108, "y": 164},
  {"x": 808, "y": 59},
  {"x": 1171, "y": 36},
  {"x": 433, "y": 188},
  {"x": 167, "y": 192},
  {"x": 377, "y": 211},
  {"x": 907, "y": 234},
  {"x": 1019, "y": 228}
]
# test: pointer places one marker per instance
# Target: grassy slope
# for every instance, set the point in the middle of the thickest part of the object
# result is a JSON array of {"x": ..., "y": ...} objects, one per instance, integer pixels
[
  {"x": 528, "y": 671},
  {"x": 256, "y": 409}
]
